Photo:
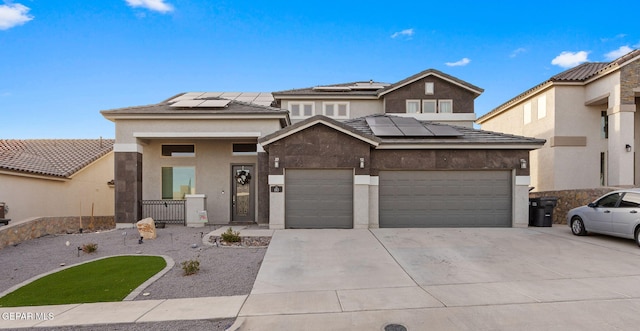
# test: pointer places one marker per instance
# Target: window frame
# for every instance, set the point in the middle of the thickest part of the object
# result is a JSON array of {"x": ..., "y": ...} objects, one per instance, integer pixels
[
  {"x": 234, "y": 153},
  {"x": 429, "y": 88},
  {"x": 301, "y": 105},
  {"x": 177, "y": 156},
  {"x": 336, "y": 109},
  {"x": 417, "y": 101},
  {"x": 441, "y": 101},
  {"x": 432, "y": 101},
  {"x": 162, "y": 183}
]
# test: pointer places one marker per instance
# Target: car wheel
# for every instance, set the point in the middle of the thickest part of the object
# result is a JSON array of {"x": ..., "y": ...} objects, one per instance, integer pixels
[
  {"x": 577, "y": 226},
  {"x": 637, "y": 235}
]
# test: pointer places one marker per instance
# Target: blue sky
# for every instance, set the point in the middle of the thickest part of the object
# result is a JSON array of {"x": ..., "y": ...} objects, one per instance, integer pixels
[{"x": 61, "y": 62}]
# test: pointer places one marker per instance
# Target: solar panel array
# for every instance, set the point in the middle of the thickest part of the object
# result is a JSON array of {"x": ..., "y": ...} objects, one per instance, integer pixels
[
  {"x": 212, "y": 99},
  {"x": 408, "y": 127}
]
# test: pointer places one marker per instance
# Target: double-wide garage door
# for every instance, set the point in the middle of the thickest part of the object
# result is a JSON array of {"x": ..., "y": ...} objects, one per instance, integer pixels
[
  {"x": 318, "y": 198},
  {"x": 445, "y": 199}
]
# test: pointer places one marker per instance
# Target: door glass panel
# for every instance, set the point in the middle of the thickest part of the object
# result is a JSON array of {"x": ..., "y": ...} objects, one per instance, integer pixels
[{"x": 243, "y": 191}]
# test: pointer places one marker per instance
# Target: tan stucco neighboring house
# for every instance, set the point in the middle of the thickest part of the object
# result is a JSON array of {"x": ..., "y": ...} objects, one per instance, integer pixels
[
  {"x": 56, "y": 178},
  {"x": 587, "y": 115}
]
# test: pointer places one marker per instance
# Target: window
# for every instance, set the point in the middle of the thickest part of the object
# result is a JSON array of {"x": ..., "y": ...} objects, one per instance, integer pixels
[
  {"x": 630, "y": 200},
  {"x": 428, "y": 88},
  {"x": 609, "y": 201},
  {"x": 178, "y": 150},
  {"x": 603, "y": 169},
  {"x": 336, "y": 109},
  {"x": 604, "y": 125},
  {"x": 527, "y": 113},
  {"x": 413, "y": 106},
  {"x": 301, "y": 109},
  {"x": 245, "y": 149},
  {"x": 445, "y": 106},
  {"x": 177, "y": 182},
  {"x": 428, "y": 106},
  {"x": 542, "y": 106}
]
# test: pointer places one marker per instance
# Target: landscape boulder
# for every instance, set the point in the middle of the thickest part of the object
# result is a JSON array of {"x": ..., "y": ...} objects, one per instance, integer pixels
[{"x": 147, "y": 228}]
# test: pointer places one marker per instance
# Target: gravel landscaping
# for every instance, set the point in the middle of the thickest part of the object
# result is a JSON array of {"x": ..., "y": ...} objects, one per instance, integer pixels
[{"x": 224, "y": 271}]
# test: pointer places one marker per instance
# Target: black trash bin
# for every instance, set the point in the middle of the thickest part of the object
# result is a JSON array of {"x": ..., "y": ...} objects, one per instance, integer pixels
[{"x": 541, "y": 211}]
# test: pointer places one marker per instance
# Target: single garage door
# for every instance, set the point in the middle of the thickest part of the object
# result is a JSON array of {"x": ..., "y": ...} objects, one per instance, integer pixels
[
  {"x": 445, "y": 199},
  {"x": 318, "y": 198}
]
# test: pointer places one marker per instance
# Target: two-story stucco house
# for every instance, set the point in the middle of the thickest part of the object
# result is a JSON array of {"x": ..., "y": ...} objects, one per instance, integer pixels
[
  {"x": 587, "y": 116},
  {"x": 358, "y": 155}
]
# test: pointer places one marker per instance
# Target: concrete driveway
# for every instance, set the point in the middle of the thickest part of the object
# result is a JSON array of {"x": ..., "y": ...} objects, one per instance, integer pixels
[{"x": 445, "y": 279}]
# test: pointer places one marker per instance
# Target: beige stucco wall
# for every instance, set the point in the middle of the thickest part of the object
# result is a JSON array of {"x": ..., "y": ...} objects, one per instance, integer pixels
[
  {"x": 29, "y": 197},
  {"x": 125, "y": 129},
  {"x": 561, "y": 167}
]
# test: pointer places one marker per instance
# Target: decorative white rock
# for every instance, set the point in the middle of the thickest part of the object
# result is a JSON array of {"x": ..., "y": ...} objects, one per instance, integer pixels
[{"x": 147, "y": 228}]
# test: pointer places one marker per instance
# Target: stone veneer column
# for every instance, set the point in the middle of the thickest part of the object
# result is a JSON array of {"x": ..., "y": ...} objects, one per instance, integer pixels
[{"x": 128, "y": 187}]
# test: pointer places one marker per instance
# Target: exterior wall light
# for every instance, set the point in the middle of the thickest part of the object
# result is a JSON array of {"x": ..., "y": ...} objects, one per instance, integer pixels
[
  {"x": 523, "y": 164},
  {"x": 627, "y": 147},
  {"x": 361, "y": 163},
  {"x": 276, "y": 162}
]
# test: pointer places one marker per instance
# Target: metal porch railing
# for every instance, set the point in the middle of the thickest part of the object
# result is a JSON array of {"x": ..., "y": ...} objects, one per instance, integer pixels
[{"x": 165, "y": 211}]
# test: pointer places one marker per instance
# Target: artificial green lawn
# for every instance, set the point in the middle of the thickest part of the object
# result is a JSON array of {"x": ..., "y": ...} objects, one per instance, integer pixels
[{"x": 105, "y": 280}]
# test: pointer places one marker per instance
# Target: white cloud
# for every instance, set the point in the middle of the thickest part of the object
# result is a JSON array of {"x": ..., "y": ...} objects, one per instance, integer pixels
[
  {"x": 517, "y": 52},
  {"x": 155, "y": 5},
  {"x": 12, "y": 15},
  {"x": 618, "y": 53},
  {"x": 618, "y": 36},
  {"x": 404, "y": 33},
  {"x": 460, "y": 63},
  {"x": 570, "y": 59}
]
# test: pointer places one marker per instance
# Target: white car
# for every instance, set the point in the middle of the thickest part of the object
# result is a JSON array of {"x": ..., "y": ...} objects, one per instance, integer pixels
[{"x": 616, "y": 213}]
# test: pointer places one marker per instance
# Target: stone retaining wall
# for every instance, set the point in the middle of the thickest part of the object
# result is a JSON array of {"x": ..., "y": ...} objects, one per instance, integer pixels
[
  {"x": 569, "y": 199},
  {"x": 16, "y": 233}
]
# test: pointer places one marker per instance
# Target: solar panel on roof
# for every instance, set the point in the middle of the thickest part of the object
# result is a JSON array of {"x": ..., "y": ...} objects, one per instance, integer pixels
[
  {"x": 408, "y": 127},
  {"x": 444, "y": 131},
  {"x": 187, "y": 103},
  {"x": 214, "y": 103}
]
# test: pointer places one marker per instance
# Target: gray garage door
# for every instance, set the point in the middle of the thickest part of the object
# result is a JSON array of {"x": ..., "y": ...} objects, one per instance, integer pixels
[
  {"x": 318, "y": 199},
  {"x": 445, "y": 199}
]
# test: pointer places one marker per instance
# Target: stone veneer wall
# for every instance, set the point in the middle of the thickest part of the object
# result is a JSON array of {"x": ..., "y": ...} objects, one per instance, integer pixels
[
  {"x": 569, "y": 199},
  {"x": 13, "y": 234}
]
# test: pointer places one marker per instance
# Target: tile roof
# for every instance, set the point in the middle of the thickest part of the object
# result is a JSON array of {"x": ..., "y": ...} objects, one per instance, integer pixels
[
  {"x": 580, "y": 73},
  {"x": 350, "y": 89},
  {"x": 51, "y": 157},
  {"x": 429, "y": 72},
  {"x": 165, "y": 107}
]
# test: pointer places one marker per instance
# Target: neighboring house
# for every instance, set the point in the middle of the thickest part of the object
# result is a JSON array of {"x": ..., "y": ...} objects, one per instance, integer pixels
[
  {"x": 359, "y": 155},
  {"x": 587, "y": 116},
  {"x": 56, "y": 177}
]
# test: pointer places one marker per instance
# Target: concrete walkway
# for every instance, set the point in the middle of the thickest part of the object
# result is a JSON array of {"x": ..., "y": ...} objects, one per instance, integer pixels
[{"x": 438, "y": 279}]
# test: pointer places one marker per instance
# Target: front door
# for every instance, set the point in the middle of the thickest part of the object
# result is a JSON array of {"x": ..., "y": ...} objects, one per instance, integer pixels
[{"x": 242, "y": 199}]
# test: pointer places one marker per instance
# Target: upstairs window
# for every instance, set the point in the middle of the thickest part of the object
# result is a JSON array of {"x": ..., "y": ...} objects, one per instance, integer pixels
[
  {"x": 604, "y": 125},
  {"x": 336, "y": 109},
  {"x": 413, "y": 106},
  {"x": 527, "y": 113},
  {"x": 301, "y": 109},
  {"x": 445, "y": 106},
  {"x": 428, "y": 88},
  {"x": 428, "y": 106},
  {"x": 179, "y": 150}
]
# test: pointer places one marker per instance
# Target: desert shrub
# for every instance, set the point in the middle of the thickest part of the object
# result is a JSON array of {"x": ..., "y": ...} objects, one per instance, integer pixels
[
  {"x": 231, "y": 236},
  {"x": 191, "y": 267},
  {"x": 90, "y": 248}
]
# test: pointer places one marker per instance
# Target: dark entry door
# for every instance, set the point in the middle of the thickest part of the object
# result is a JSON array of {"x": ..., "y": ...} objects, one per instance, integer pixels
[{"x": 242, "y": 199}]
